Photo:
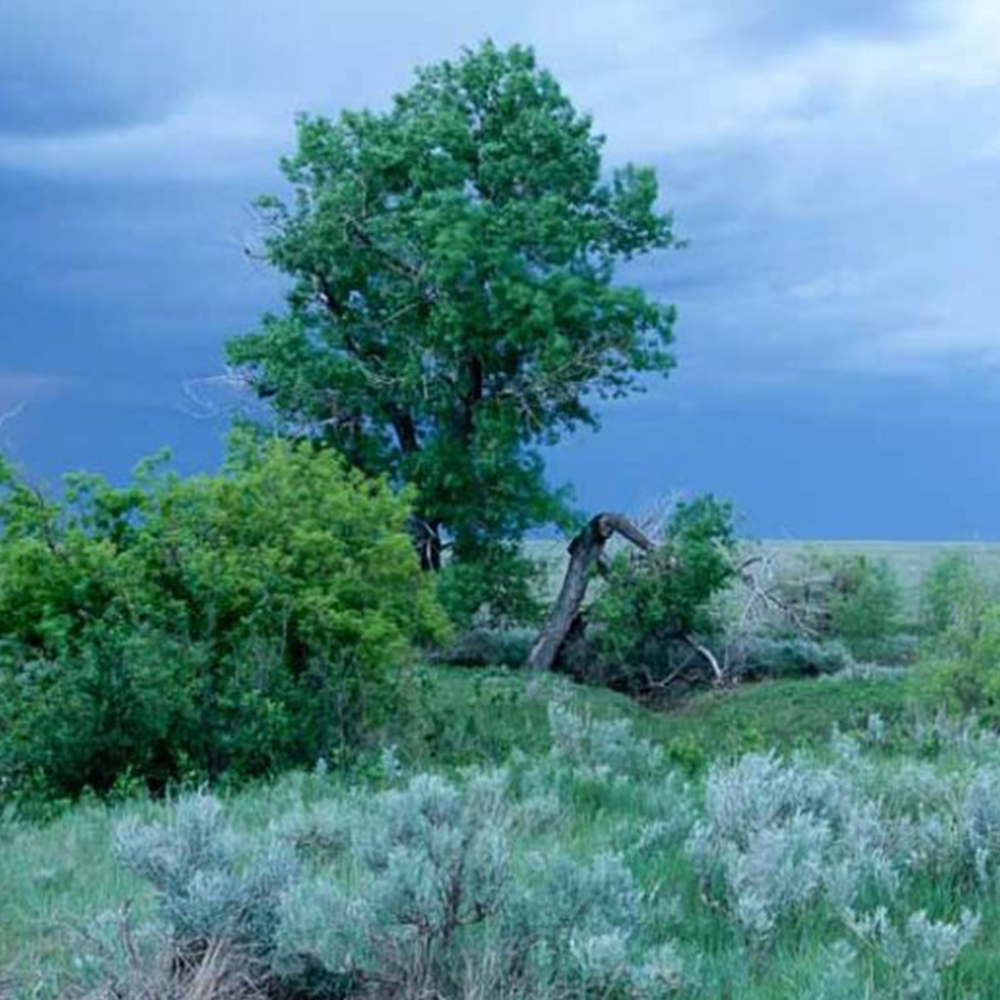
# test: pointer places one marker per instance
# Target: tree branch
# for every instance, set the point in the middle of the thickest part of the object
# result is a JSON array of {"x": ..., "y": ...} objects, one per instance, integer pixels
[
  {"x": 586, "y": 551},
  {"x": 12, "y": 413}
]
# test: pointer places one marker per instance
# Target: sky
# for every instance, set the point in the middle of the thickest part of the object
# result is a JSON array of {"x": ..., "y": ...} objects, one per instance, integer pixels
[{"x": 834, "y": 166}]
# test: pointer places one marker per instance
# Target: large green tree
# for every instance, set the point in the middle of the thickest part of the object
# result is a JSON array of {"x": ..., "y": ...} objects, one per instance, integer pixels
[{"x": 453, "y": 305}]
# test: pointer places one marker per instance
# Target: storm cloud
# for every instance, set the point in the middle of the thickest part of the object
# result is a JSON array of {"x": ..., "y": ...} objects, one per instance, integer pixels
[{"x": 836, "y": 167}]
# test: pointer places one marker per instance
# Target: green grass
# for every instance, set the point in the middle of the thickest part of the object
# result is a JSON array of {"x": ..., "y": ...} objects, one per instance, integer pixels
[
  {"x": 786, "y": 715},
  {"x": 492, "y": 712},
  {"x": 59, "y": 877}
]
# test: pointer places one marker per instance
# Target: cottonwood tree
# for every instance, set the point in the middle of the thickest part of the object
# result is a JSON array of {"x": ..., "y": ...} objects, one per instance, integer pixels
[{"x": 453, "y": 306}]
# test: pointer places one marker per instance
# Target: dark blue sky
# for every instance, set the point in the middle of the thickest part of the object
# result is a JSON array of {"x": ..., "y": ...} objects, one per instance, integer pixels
[{"x": 836, "y": 167}]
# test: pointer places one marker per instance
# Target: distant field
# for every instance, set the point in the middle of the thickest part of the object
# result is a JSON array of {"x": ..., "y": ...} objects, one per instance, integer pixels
[{"x": 910, "y": 560}]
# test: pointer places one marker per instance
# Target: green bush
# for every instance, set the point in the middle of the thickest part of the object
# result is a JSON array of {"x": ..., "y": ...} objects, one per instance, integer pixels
[
  {"x": 863, "y": 604},
  {"x": 960, "y": 671},
  {"x": 792, "y": 657},
  {"x": 496, "y": 588},
  {"x": 654, "y": 602},
  {"x": 959, "y": 666},
  {"x": 954, "y": 594},
  {"x": 484, "y": 647},
  {"x": 193, "y": 627}
]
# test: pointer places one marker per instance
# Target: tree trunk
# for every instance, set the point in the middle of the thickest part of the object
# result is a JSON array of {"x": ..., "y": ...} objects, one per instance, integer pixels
[
  {"x": 427, "y": 538},
  {"x": 585, "y": 552}
]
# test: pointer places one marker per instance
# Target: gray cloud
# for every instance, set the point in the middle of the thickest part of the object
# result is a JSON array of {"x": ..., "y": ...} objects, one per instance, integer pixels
[
  {"x": 833, "y": 163},
  {"x": 799, "y": 142}
]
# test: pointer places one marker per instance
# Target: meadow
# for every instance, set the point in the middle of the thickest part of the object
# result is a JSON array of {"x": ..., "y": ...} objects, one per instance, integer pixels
[
  {"x": 821, "y": 838},
  {"x": 821, "y": 823},
  {"x": 321, "y": 725}
]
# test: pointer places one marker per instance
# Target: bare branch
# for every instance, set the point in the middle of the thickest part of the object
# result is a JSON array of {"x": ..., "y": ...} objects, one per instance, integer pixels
[
  {"x": 586, "y": 551},
  {"x": 702, "y": 650},
  {"x": 12, "y": 413},
  {"x": 197, "y": 402}
]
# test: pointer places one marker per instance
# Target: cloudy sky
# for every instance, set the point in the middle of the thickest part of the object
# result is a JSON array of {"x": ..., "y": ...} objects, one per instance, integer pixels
[{"x": 835, "y": 166}]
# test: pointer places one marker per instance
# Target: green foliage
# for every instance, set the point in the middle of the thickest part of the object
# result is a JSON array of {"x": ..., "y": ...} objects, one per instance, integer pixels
[
  {"x": 653, "y": 601},
  {"x": 959, "y": 666},
  {"x": 497, "y": 589},
  {"x": 863, "y": 604},
  {"x": 453, "y": 306},
  {"x": 484, "y": 647},
  {"x": 184, "y": 627},
  {"x": 763, "y": 658},
  {"x": 961, "y": 669},
  {"x": 865, "y": 865},
  {"x": 954, "y": 594}
]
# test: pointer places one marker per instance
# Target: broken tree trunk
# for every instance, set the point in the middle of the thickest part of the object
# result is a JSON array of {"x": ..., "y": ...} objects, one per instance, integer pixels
[{"x": 585, "y": 552}]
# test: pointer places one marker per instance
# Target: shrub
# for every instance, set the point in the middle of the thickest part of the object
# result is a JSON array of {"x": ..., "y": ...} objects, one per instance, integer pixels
[
  {"x": 961, "y": 669},
  {"x": 407, "y": 892},
  {"x": 865, "y": 604},
  {"x": 583, "y": 742},
  {"x": 236, "y": 623},
  {"x": 954, "y": 595},
  {"x": 915, "y": 955},
  {"x": 959, "y": 666},
  {"x": 126, "y": 964},
  {"x": 483, "y": 647},
  {"x": 652, "y": 602},
  {"x": 210, "y": 885},
  {"x": 496, "y": 588},
  {"x": 424, "y": 900},
  {"x": 781, "y": 658},
  {"x": 778, "y": 836}
]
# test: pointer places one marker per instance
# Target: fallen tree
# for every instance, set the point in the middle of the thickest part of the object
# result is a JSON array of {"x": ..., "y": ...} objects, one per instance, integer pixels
[
  {"x": 680, "y": 603},
  {"x": 586, "y": 553}
]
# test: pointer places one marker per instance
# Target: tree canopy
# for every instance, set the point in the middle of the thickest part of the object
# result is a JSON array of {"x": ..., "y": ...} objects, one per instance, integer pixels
[{"x": 453, "y": 306}]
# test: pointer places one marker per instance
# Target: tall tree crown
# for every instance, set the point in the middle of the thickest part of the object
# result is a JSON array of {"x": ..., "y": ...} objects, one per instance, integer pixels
[{"x": 453, "y": 304}]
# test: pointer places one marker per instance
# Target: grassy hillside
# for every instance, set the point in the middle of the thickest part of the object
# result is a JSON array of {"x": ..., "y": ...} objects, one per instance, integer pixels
[{"x": 595, "y": 790}]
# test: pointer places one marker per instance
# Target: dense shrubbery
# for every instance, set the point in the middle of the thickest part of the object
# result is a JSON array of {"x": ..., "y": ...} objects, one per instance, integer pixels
[
  {"x": 866, "y": 608},
  {"x": 409, "y": 892},
  {"x": 591, "y": 870},
  {"x": 854, "y": 599},
  {"x": 182, "y": 627},
  {"x": 652, "y": 604},
  {"x": 954, "y": 595},
  {"x": 761, "y": 658},
  {"x": 959, "y": 667},
  {"x": 498, "y": 590},
  {"x": 489, "y": 647}
]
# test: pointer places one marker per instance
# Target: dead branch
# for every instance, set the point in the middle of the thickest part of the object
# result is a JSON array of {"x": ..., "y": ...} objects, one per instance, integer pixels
[
  {"x": 12, "y": 413},
  {"x": 195, "y": 390},
  {"x": 585, "y": 553},
  {"x": 709, "y": 657}
]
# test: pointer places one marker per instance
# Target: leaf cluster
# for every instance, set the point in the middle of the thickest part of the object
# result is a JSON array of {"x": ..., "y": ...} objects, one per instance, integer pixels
[
  {"x": 182, "y": 627},
  {"x": 453, "y": 304}
]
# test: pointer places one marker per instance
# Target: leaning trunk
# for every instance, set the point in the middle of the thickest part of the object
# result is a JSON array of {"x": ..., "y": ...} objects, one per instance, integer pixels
[{"x": 585, "y": 552}]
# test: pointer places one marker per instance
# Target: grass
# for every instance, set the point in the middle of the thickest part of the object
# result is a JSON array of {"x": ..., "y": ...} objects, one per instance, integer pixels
[
  {"x": 59, "y": 877},
  {"x": 493, "y": 712}
]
